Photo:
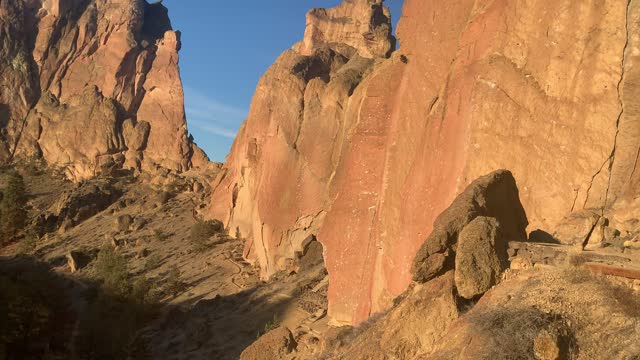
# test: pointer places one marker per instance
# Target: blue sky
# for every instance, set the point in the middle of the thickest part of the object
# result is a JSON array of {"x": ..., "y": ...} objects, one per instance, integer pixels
[{"x": 226, "y": 47}]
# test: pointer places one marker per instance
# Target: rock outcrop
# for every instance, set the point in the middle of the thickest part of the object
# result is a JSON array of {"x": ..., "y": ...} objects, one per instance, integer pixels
[
  {"x": 275, "y": 344},
  {"x": 360, "y": 25},
  {"x": 481, "y": 257},
  {"x": 77, "y": 205},
  {"x": 365, "y": 151},
  {"x": 93, "y": 85},
  {"x": 493, "y": 201},
  {"x": 275, "y": 189},
  {"x": 416, "y": 325}
]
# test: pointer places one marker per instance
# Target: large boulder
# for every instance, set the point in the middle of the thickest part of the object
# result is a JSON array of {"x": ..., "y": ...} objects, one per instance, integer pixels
[
  {"x": 577, "y": 228},
  {"x": 494, "y": 195},
  {"x": 481, "y": 257}
]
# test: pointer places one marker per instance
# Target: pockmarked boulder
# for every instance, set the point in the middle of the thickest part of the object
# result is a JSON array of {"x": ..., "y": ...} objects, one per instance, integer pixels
[
  {"x": 481, "y": 257},
  {"x": 494, "y": 195},
  {"x": 577, "y": 228}
]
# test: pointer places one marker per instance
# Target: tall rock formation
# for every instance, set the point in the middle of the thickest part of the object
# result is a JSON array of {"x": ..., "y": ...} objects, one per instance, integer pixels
[
  {"x": 73, "y": 71},
  {"x": 364, "y": 152}
]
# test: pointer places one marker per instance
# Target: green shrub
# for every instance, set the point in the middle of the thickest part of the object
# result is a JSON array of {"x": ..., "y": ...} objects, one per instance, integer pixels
[
  {"x": 108, "y": 327},
  {"x": 28, "y": 245},
  {"x": 12, "y": 208},
  {"x": 174, "y": 285},
  {"x": 111, "y": 268},
  {"x": 272, "y": 324},
  {"x": 142, "y": 291},
  {"x": 152, "y": 262},
  {"x": 202, "y": 231},
  {"x": 160, "y": 235},
  {"x": 34, "y": 313}
]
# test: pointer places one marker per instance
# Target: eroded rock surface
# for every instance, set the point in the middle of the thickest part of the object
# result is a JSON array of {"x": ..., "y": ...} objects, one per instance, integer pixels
[
  {"x": 275, "y": 344},
  {"x": 481, "y": 257},
  {"x": 362, "y": 24},
  {"x": 73, "y": 71},
  {"x": 491, "y": 200},
  {"x": 365, "y": 152}
]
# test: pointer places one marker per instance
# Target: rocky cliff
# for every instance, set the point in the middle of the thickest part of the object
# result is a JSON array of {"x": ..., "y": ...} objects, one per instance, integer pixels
[
  {"x": 89, "y": 85},
  {"x": 364, "y": 151}
]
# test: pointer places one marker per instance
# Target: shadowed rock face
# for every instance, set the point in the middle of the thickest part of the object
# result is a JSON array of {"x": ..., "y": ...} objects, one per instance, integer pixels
[
  {"x": 368, "y": 151},
  {"x": 57, "y": 53}
]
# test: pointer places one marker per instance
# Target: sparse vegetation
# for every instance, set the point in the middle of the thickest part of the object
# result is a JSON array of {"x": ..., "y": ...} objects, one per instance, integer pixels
[
  {"x": 115, "y": 314},
  {"x": 272, "y": 324},
  {"x": 202, "y": 231},
  {"x": 34, "y": 322},
  {"x": 111, "y": 269},
  {"x": 626, "y": 299},
  {"x": 159, "y": 235},
  {"x": 142, "y": 291},
  {"x": 510, "y": 333},
  {"x": 28, "y": 245},
  {"x": 576, "y": 260},
  {"x": 12, "y": 208},
  {"x": 32, "y": 166},
  {"x": 174, "y": 284},
  {"x": 152, "y": 262},
  {"x": 109, "y": 326},
  {"x": 20, "y": 63},
  {"x": 174, "y": 187}
]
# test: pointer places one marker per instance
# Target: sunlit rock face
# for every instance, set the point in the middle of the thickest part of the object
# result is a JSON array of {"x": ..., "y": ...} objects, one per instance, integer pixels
[
  {"x": 125, "y": 51},
  {"x": 365, "y": 151}
]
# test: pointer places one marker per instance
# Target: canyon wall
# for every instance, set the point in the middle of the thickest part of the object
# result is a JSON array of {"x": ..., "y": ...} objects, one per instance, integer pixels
[
  {"x": 363, "y": 149},
  {"x": 92, "y": 84}
]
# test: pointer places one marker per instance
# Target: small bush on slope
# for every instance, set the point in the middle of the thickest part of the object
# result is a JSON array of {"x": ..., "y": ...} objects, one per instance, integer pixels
[
  {"x": 111, "y": 269},
  {"x": 202, "y": 231},
  {"x": 174, "y": 284},
  {"x": 12, "y": 208}
]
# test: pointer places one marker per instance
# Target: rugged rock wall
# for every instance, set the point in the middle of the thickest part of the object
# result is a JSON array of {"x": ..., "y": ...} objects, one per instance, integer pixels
[
  {"x": 276, "y": 187},
  {"x": 364, "y": 152},
  {"x": 72, "y": 72}
]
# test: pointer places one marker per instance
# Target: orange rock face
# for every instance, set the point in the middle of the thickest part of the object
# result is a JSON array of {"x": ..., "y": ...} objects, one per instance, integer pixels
[
  {"x": 63, "y": 49},
  {"x": 361, "y": 24},
  {"x": 364, "y": 152}
]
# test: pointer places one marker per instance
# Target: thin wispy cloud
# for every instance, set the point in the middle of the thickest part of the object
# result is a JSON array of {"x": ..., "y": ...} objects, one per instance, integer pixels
[
  {"x": 212, "y": 116},
  {"x": 215, "y": 130},
  {"x": 201, "y": 105}
]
